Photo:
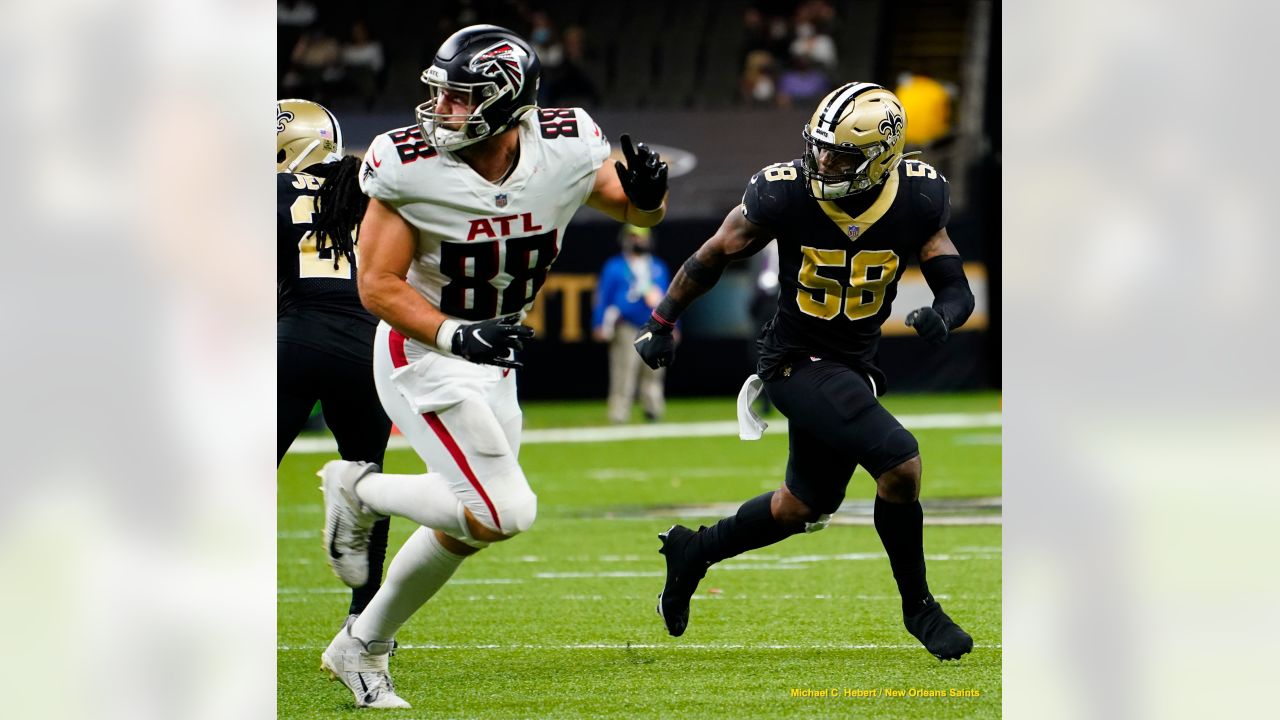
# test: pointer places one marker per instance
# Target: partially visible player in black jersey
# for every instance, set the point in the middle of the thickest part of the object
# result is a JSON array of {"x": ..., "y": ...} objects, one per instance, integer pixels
[
  {"x": 324, "y": 336},
  {"x": 846, "y": 218}
]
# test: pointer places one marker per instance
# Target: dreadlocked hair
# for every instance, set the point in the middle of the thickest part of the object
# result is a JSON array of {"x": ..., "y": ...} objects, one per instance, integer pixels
[{"x": 339, "y": 207}]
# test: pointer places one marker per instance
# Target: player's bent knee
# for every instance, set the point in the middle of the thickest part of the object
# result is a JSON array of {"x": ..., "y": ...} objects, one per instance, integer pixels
[
  {"x": 457, "y": 546},
  {"x": 519, "y": 515},
  {"x": 514, "y": 516},
  {"x": 791, "y": 510},
  {"x": 900, "y": 483},
  {"x": 481, "y": 533}
]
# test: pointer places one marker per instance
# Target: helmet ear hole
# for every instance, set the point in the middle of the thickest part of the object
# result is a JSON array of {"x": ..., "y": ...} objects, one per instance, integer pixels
[{"x": 280, "y": 156}]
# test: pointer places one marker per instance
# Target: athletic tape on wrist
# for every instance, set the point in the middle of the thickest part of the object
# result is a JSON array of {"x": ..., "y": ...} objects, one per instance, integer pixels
[{"x": 444, "y": 336}]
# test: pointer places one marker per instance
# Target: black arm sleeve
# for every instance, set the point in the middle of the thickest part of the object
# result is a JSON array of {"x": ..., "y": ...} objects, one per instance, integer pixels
[
  {"x": 952, "y": 297},
  {"x": 702, "y": 276}
]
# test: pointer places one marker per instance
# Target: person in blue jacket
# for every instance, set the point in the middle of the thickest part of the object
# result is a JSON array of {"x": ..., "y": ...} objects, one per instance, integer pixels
[{"x": 631, "y": 284}]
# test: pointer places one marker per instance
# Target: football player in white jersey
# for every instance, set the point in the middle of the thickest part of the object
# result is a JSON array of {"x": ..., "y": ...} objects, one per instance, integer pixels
[{"x": 467, "y": 211}]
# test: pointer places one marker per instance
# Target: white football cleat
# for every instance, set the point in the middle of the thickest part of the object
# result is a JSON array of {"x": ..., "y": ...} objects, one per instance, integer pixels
[
  {"x": 363, "y": 668},
  {"x": 347, "y": 522}
]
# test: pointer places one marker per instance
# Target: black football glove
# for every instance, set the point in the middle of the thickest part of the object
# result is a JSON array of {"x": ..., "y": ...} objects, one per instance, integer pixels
[
  {"x": 929, "y": 325},
  {"x": 492, "y": 342},
  {"x": 656, "y": 346},
  {"x": 644, "y": 178}
]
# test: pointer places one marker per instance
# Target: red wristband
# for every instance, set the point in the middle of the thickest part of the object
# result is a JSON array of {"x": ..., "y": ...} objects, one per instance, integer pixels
[{"x": 662, "y": 321}]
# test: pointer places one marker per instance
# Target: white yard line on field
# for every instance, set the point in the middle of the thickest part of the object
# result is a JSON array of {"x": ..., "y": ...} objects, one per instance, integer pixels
[
  {"x": 601, "y": 574},
  {"x": 648, "y": 646},
  {"x": 345, "y": 590},
  {"x": 934, "y": 421}
]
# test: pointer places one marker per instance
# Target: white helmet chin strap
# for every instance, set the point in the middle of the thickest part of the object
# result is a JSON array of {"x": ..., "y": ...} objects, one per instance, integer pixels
[
  {"x": 307, "y": 151},
  {"x": 302, "y": 155}
]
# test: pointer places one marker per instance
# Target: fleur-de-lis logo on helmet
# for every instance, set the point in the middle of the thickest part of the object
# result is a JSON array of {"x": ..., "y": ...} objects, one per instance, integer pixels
[
  {"x": 283, "y": 117},
  {"x": 891, "y": 126}
]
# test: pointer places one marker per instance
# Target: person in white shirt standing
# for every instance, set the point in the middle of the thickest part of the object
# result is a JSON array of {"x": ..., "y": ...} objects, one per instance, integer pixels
[{"x": 467, "y": 211}]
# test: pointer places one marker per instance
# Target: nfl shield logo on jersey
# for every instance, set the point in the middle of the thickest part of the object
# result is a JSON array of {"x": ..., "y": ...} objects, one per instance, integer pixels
[
  {"x": 500, "y": 200},
  {"x": 853, "y": 231}
]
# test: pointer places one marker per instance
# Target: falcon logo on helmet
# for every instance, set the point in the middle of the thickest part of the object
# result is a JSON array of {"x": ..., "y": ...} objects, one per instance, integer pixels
[
  {"x": 502, "y": 59},
  {"x": 483, "y": 80}
]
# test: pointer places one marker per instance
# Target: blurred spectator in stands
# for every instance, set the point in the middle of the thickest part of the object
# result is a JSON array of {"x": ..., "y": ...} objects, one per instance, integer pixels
[
  {"x": 819, "y": 13},
  {"x": 550, "y": 52},
  {"x": 292, "y": 18},
  {"x": 362, "y": 64},
  {"x": 545, "y": 42},
  {"x": 802, "y": 82},
  {"x": 756, "y": 35},
  {"x": 817, "y": 48},
  {"x": 295, "y": 13},
  {"x": 574, "y": 82},
  {"x": 758, "y": 86},
  {"x": 314, "y": 66},
  {"x": 631, "y": 285},
  {"x": 779, "y": 35},
  {"x": 765, "y": 26}
]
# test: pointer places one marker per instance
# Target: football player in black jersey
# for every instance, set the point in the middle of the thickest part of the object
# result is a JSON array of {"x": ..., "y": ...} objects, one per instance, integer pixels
[
  {"x": 324, "y": 336},
  {"x": 846, "y": 218}
]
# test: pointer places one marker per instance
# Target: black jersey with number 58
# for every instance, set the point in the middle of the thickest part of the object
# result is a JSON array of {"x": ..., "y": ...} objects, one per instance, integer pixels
[{"x": 839, "y": 262}]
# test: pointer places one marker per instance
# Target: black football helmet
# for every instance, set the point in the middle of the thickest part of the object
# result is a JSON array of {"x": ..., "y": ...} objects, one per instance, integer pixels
[{"x": 490, "y": 69}]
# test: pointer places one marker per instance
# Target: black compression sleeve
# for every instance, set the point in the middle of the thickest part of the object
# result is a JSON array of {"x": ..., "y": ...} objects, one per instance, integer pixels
[
  {"x": 952, "y": 297},
  {"x": 704, "y": 275}
]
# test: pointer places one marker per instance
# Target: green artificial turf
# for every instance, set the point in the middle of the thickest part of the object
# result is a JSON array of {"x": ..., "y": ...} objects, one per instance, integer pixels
[{"x": 560, "y": 622}]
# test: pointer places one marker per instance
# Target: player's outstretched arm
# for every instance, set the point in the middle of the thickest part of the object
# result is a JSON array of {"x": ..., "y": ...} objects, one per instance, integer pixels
[
  {"x": 736, "y": 239},
  {"x": 952, "y": 299},
  {"x": 634, "y": 193},
  {"x": 386, "y": 247}
]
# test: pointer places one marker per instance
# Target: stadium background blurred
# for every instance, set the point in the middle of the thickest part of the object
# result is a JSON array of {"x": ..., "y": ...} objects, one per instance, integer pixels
[
  {"x": 139, "y": 515},
  {"x": 723, "y": 88}
]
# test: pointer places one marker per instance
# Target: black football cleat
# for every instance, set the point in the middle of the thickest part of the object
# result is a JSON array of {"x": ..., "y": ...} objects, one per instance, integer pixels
[
  {"x": 938, "y": 633},
  {"x": 682, "y": 579}
]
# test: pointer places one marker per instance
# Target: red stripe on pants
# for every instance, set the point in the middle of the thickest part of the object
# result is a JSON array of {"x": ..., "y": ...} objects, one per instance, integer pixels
[
  {"x": 397, "y": 340},
  {"x": 452, "y": 446},
  {"x": 397, "y": 348}
]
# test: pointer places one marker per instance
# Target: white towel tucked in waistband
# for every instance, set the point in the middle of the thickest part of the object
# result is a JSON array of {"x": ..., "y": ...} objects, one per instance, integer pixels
[{"x": 750, "y": 426}]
